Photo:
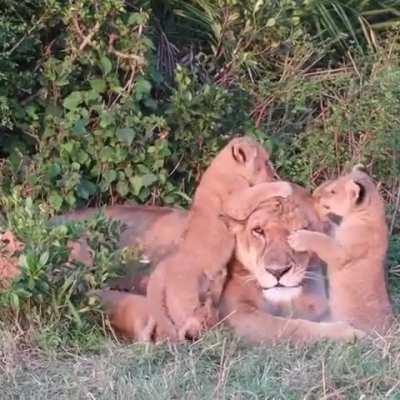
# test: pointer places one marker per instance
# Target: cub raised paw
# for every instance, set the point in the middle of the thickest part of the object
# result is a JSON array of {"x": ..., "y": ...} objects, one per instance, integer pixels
[{"x": 301, "y": 240}]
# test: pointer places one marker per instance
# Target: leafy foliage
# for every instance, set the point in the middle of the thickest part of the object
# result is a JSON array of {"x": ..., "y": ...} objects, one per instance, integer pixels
[{"x": 49, "y": 283}]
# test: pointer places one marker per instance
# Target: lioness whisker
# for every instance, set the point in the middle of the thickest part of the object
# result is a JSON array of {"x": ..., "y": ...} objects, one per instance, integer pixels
[{"x": 311, "y": 278}]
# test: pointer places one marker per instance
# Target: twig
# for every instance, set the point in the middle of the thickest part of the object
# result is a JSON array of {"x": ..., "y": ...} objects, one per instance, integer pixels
[
  {"x": 176, "y": 166},
  {"x": 16, "y": 45},
  {"x": 126, "y": 56},
  {"x": 87, "y": 39},
  {"x": 396, "y": 209}
]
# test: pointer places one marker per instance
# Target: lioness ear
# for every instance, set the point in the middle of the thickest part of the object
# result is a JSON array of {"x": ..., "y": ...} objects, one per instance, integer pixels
[
  {"x": 356, "y": 191},
  {"x": 240, "y": 206},
  {"x": 232, "y": 224},
  {"x": 319, "y": 189}
]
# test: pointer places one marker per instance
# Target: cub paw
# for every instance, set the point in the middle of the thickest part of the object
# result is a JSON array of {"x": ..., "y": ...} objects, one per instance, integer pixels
[
  {"x": 298, "y": 240},
  {"x": 192, "y": 330}
]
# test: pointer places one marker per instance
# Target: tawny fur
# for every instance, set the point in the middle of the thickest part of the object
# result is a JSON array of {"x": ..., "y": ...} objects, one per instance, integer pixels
[
  {"x": 185, "y": 288},
  {"x": 243, "y": 306},
  {"x": 247, "y": 305},
  {"x": 129, "y": 315},
  {"x": 355, "y": 252}
]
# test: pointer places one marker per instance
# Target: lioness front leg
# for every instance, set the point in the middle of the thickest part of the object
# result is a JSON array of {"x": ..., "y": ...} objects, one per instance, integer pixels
[
  {"x": 326, "y": 248},
  {"x": 259, "y": 327}
]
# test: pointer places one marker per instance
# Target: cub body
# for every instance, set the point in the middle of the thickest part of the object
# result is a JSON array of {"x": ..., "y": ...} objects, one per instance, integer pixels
[
  {"x": 185, "y": 288},
  {"x": 355, "y": 251}
]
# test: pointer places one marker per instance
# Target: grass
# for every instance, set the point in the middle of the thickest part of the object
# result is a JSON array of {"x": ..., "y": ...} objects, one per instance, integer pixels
[{"x": 42, "y": 364}]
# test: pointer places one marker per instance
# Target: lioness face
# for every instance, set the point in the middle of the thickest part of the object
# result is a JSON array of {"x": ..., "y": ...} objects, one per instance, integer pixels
[{"x": 262, "y": 248}]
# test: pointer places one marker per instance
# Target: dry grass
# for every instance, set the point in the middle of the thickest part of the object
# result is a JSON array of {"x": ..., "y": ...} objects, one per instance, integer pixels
[{"x": 218, "y": 367}]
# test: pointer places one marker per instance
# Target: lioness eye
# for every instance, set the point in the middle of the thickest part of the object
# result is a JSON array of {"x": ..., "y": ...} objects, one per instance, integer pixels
[{"x": 258, "y": 231}]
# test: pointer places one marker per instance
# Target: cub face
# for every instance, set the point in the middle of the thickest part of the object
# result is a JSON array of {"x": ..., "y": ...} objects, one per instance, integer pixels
[
  {"x": 343, "y": 195},
  {"x": 251, "y": 161}
]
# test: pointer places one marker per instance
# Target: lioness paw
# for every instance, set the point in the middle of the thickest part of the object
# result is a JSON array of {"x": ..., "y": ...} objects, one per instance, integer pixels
[
  {"x": 299, "y": 240},
  {"x": 346, "y": 332}
]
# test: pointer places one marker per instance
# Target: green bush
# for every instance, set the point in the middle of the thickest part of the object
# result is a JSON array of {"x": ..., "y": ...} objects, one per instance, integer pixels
[
  {"x": 360, "y": 125},
  {"x": 51, "y": 285}
]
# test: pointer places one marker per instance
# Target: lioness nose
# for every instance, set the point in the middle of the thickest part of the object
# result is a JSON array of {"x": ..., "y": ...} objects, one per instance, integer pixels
[{"x": 278, "y": 272}]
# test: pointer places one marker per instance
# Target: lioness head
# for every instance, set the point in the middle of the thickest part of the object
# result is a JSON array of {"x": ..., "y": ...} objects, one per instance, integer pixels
[
  {"x": 262, "y": 247},
  {"x": 344, "y": 195},
  {"x": 244, "y": 157}
]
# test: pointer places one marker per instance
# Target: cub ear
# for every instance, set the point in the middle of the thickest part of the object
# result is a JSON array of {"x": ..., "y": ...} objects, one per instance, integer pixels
[
  {"x": 243, "y": 151},
  {"x": 356, "y": 190}
]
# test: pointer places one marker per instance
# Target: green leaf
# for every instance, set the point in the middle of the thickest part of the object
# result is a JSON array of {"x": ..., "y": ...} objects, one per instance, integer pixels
[
  {"x": 56, "y": 200},
  {"x": 110, "y": 176},
  {"x": 106, "y": 154},
  {"x": 137, "y": 184},
  {"x": 107, "y": 118},
  {"x": 136, "y": 19},
  {"x": 82, "y": 157},
  {"x": 73, "y": 100},
  {"x": 271, "y": 22},
  {"x": 68, "y": 147},
  {"x": 14, "y": 301},
  {"x": 86, "y": 189},
  {"x": 70, "y": 199},
  {"x": 53, "y": 171},
  {"x": 126, "y": 135},
  {"x": 149, "y": 179},
  {"x": 91, "y": 96},
  {"x": 98, "y": 85},
  {"x": 79, "y": 127},
  {"x": 44, "y": 257},
  {"x": 106, "y": 65},
  {"x": 74, "y": 313},
  {"x": 142, "y": 89},
  {"x": 122, "y": 188}
]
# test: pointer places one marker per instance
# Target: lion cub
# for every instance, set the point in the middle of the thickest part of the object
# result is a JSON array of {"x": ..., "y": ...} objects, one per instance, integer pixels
[
  {"x": 185, "y": 288},
  {"x": 355, "y": 252},
  {"x": 129, "y": 314}
]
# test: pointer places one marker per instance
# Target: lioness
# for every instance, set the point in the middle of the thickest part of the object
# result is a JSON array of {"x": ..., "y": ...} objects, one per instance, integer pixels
[
  {"x": 185, "y": 288},
  {"x": 355, "y": 252},
  {"x": 266, "y": 272}
]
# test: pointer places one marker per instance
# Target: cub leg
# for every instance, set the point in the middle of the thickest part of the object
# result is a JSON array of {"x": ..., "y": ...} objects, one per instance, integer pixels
[{"x": 129, "y": 314}]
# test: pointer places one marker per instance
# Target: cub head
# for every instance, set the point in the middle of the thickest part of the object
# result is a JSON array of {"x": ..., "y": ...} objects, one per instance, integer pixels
[
  {"x": 262, "y": 247},
  {"x": 343, "y": 196},
  {"x": 245, "y": 158}
]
